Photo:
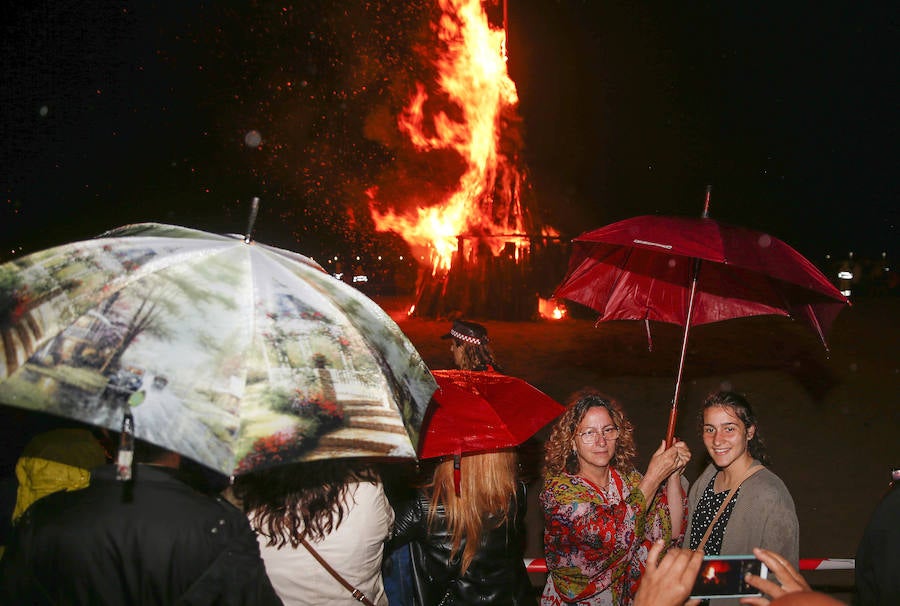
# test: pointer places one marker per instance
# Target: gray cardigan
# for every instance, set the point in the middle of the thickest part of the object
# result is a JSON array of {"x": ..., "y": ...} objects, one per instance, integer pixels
[{"x": 763, "y": 516}]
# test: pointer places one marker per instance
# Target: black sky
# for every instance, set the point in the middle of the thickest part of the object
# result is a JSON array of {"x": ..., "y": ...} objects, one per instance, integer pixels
[{"x": 137, "y": 111}]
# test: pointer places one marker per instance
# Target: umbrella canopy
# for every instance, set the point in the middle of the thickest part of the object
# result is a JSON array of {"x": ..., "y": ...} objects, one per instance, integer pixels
[
  {"x": 235, "y": 354},
  {"x": 695, "y": 271},
  {"x": 474, "y": 411},
  {"x": 642, "y": 269}
]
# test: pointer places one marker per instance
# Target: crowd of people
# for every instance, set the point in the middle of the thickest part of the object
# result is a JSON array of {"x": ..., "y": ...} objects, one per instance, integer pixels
[{"x": 447, "y": 531}]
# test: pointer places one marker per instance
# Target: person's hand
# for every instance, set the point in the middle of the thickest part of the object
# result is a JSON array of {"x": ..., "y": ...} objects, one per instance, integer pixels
[
  {"x": 668, "y": 582},
  {"x": 790, "y": 578},
  {"x": 663, "y": 463}
]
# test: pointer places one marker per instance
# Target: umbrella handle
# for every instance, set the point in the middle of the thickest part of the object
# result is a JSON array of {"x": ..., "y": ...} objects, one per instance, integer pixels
[
  {"x": 254, "y": 208},
  {"x": 673, "y": 414}
]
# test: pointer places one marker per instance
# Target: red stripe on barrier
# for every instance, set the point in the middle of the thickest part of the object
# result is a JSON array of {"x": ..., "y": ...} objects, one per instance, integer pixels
[{"x": 540, "y": 564}]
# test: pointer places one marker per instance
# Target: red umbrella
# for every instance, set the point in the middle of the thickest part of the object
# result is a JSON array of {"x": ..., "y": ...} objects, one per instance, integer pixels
[
  {"x": 695, "y": 271},
  {"x": 474, "y": 411}
]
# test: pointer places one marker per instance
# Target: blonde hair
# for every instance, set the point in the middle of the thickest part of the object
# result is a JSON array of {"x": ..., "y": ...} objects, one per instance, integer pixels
[{"x": 487, "y": 490}]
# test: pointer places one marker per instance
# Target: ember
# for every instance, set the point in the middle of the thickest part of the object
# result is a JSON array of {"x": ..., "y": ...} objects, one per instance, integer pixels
[{"x": 479, "y": 240}]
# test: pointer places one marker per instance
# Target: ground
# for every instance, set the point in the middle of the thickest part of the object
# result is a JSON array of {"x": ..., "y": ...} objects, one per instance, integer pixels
[{"x": 830, "y": 421}]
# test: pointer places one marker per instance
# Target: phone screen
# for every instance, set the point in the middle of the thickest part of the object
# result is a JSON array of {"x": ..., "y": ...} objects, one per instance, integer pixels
[{"x": 723, "y": 577}]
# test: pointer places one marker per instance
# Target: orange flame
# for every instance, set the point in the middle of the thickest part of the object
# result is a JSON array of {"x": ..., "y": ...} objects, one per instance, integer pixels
[
  {"x": 551, "y": 309},
  {"x": 486, "y": 200}
]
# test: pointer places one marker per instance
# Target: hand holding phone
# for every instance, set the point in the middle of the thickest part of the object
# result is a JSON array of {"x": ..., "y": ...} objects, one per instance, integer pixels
[
  {"x": 789, "y": 578},
  {"x": 723, "y": 577}
]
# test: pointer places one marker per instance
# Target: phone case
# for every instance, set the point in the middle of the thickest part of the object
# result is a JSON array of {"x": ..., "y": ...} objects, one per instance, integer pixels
[{"x": 723, "y": 577}]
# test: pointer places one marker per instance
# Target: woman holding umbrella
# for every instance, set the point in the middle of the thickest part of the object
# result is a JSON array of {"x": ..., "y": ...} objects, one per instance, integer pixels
[
  {"x": 465, "y": 525},
  {"x": 601, "y": 516}
]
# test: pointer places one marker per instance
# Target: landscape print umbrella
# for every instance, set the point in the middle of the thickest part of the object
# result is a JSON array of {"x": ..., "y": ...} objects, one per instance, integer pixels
[
  {"x": 232, "y": 353},
  {"x": 695, "y": 271}
]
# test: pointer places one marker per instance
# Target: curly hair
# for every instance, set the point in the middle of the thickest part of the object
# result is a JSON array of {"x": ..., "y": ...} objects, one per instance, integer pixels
[
  {"x": 305, "y": 500},
  {"x": 559, "y": 452},
  {"x": 487, "y": 496},
  {"x": 741, "y": 408}
]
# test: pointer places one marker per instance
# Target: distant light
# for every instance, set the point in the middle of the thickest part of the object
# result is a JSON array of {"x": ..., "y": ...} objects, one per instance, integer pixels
[
  {"x": 360, "y": 279},
  {"x": 845, "y": 275},
  {"x": 401, "y": 257},
  {"x": 357, "y": 257},
  {"x": 846, "y": 293},
  {"x": 253, "y": 138},
  {"x": 338, "y": 276},
  {"x": 335, "y": 257},
  {"x": 379, "y": 257}
]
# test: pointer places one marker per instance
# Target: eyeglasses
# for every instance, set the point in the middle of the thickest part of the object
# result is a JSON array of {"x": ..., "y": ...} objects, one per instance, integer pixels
[{"x": 590, "y": 436}]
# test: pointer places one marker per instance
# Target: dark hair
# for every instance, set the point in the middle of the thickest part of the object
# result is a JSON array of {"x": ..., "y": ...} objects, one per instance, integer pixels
[
  {"x": 289, "y": 502},
  {"x": 559, "y": 454},
  {"x": 477, "y": 356},
  {"x": 741, "y": 408}
]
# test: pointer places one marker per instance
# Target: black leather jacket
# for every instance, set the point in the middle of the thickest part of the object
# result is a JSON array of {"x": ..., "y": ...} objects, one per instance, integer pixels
[{"x": 496, "y": 576}]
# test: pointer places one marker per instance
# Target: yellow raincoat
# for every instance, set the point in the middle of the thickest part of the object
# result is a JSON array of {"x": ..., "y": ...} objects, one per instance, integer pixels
[
  {"x": 56, "y": 460},
  {"x": 60, "y": 459}
]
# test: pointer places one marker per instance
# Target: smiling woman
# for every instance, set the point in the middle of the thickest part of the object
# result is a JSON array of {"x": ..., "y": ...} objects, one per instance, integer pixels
[
  {"x": 721, "y": 519},
  {"x": 600, "y": 514}
]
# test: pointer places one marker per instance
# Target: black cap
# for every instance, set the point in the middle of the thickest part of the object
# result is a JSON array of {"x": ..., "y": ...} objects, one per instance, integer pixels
[{"x": 467, "y": 332}]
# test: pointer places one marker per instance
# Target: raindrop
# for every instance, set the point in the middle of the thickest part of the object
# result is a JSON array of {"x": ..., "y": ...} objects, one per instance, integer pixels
[
  {"x": 253, "y": 138},
  {"x": 671, "y": 263},
  {"x": 43, "y": 111},
  {"x": 765, "y": 241}
]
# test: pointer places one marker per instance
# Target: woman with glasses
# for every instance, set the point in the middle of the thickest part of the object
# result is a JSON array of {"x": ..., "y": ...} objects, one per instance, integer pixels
[
  {"x": 761, "y": 511},
  {"x": 601, "y": 515}
]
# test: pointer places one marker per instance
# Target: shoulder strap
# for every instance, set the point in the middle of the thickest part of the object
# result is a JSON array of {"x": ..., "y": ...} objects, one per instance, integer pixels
[
  {"x": 724, "y": 504},
  {"x": 356, "y": 593}
]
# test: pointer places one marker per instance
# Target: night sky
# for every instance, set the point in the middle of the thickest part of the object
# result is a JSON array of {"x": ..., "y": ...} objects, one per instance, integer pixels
[{"x": 149, "y": 111}]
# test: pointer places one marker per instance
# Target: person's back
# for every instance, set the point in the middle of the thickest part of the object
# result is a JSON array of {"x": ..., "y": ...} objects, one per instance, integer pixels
[
  {"x": 496, "y": 574},
  {"x": 495, "y": 571},
  {"x": 878, "y": 554},
  {"x": 340, "y": 509},
  {"x": 151, "y": 541},
  {"x": 355, "y": 549}
]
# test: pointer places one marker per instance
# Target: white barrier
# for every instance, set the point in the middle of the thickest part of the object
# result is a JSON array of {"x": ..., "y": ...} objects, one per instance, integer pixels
[{"x": 540, "y": 564}]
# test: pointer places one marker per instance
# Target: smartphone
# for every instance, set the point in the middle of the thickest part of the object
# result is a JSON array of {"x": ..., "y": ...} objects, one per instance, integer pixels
[{"x": 723, "y": 577}]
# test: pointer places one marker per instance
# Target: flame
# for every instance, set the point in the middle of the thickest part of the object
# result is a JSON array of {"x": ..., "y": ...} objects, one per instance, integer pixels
[
  {"x": 551, "y": 309},
  {"x": 473, "y": 79}
]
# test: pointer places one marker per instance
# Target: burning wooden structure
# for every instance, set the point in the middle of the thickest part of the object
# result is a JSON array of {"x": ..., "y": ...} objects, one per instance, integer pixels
[
  {"x": 481, "y": 284},
  {"x": 486, "y": 257}
]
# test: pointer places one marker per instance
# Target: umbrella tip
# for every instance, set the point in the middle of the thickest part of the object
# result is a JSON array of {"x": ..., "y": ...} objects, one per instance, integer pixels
[{"x": 254, "y": 208}]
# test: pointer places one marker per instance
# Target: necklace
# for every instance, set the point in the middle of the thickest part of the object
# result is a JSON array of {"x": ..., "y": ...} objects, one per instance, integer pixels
[{"x": 608, "y": 479}]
